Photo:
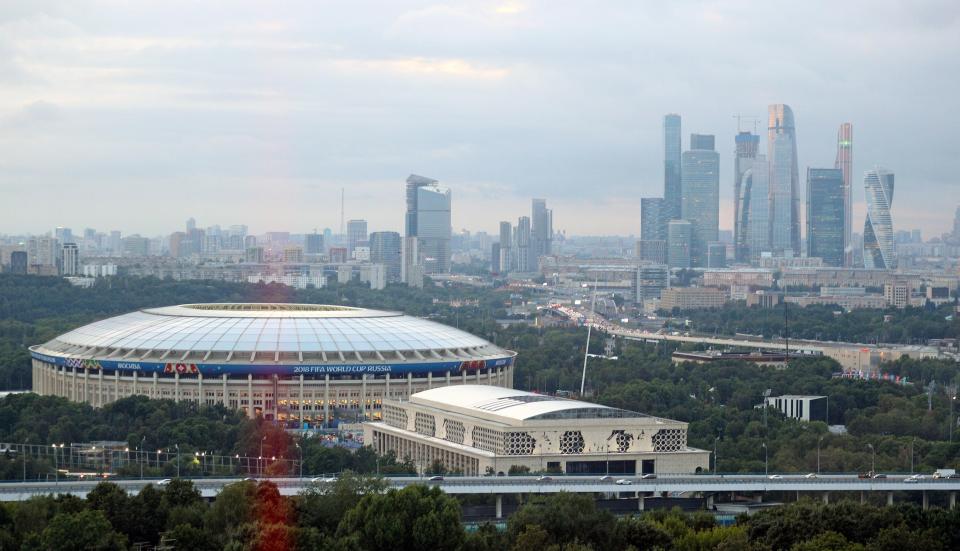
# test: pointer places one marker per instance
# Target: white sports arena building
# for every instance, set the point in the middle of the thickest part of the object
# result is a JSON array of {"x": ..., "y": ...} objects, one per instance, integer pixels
[
  {"x": 478, "y": 429},
  {"x": 296, "y": 363}
]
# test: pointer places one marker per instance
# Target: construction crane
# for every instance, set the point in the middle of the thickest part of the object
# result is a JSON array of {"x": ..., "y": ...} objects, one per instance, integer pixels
[{"x": 740, "y": 118}]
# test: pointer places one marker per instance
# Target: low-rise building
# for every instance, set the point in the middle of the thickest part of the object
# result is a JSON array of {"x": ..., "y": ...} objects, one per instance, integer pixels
[
  {"x": 477, "y": 429},
  {"x": 897, "y": 294},
  {"x": 752, "y": 277},
  {"x": 689, "y": 298},
  {"x": 804, "y": 408}
]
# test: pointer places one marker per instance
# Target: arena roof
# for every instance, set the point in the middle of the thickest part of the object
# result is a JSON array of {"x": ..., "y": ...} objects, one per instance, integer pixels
[
  {"x": 261, "y": 332},
  {"x": 517, "y": 405}
]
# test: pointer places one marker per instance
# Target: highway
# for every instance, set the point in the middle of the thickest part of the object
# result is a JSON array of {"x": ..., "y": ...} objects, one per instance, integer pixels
[{"x": 671, "y": 484}]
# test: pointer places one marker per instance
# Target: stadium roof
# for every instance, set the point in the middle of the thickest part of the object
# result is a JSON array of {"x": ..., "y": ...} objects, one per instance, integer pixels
[
  {"x": 515, "y": 405},
  {"x": 270, "y": 332}
]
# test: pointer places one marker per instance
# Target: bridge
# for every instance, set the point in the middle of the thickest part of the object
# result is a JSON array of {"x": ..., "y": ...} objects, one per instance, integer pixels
[{"x": 708, "y": 485}]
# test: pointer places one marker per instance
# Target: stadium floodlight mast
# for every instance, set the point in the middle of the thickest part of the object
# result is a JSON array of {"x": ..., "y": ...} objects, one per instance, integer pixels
[{"x": 586, "y": 352}]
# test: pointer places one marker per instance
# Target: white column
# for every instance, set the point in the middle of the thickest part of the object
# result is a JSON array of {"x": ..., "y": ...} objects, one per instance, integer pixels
[
  {"x": 300, "y": 398},
  {"x": 363, "y": 395},
  {"x": 326, "y": 399},
  {"x": 226, "y": 394},
  {"x": 176, "y": 387},
  {"x": 250, "y": 412},
  {"x": 200, "y": 398}
]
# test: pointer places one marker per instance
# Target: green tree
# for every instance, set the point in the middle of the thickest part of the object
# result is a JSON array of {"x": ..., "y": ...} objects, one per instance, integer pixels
[
  {"x": 416, "y": 517},
  {"x": 81, "y": 531}
]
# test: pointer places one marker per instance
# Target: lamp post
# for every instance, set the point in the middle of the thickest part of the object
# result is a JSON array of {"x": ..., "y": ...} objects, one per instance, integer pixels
[
  {"x": 873, "y": 459},
  {"x": 139, "y": 460},
  {"x": 23, "y": 450},
  {"x": 301, "y": 459},
  {"x": 819, "y": 440},
  {"x": 715, "y": 440},
  {"x": 912, "y": 440},
  {"x": 260, "y": 457},
  {"x": 766, "y": 462},
  {"x": 178, "y": 459},
  {"x": 56, "y": 471}
]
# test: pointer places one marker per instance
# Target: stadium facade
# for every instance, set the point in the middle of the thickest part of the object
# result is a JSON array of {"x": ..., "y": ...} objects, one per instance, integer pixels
[{"x": 296, "y": 363}]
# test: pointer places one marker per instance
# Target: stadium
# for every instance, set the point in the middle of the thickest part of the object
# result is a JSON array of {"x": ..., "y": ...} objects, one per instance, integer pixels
[{"x": 300, "y": 364}]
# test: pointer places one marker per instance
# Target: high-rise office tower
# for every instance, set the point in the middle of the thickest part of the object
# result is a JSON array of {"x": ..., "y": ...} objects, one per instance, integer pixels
[
  {"x": 356, "y": 234},
  {"x": 64, "y": 235},
  {"x": 747, "y": 148},
  {"x": 495, "y": 258},
  {"x": 700, "y": 185},
  {"x": 755, "y": 208},
  {"x": 506, "y": 247},
  {"x": 845, "y": 163},
  {"x": 18, "y": 262},
  {"x": 541, "y": 228},
  {"x": 678, "y": 243},
  {"x": 313, "y": 243},
  {"x": 784, "y": 180},
  {"x": 672, "y": 194},
  {"x": 525, "y": 260},
  {"x": 652, "y": 225},
  {"x": 879, "y": 251},
  {"x": 956, "y": 225},
  {"x": 825, "y": 215},
  {"x": 71, "y": 260},
  {"x": 428, "y": 219},
  {"x": 385, "y": 249}
]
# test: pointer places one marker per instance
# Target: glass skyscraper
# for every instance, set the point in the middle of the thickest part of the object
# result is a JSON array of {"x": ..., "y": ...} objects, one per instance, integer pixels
[
  {"x": 671, "y": 168},
  {"x": 845, "y": 163},
  {"x": 700, "y": 185},
  {"x": 879, "y": 250},
  {"x": 747, "y": 148},
  {"x": 541, "y": 228},
  {"x": 826, "y": 218},
  {"x": 678, "y": 243},
  {"x": 783, "y": 180},
  {"x": 652, "y": 225},
  {"x": 428, "y": 219}
]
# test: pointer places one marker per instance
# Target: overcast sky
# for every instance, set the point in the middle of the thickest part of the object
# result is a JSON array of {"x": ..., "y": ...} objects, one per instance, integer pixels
[{"x": 137, "y": 115}]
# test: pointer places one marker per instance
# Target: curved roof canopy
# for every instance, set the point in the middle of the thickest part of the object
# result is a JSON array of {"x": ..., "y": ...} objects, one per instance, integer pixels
[
  {"x": 268, "y": 332},
  {"x": 515, "y": 405}
]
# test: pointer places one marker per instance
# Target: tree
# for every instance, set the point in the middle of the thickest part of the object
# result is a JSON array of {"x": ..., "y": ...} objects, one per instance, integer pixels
[
  {"x": 323, "y": 504},
  {"x": 413, "y": 518},
  {"x": 566, "y": 517},
  {"x": 81, "y": 531}
]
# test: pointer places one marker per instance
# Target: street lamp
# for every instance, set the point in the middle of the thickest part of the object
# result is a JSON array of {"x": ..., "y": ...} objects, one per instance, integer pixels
[
  {"x": 873, "y": 459},
  {"x": 56, "y": 471},
  {"x": 819, "y": 440},
  {"x": 139, "y": 460},
  {"x": 715, "y": 440},
  {"x": 260, "y": 458},
  {"x": 301, "y": 459},
  {"x": 178, "y": 459},
  {"x": 912, "y": 440},
  {"x": 766, "y": 462},
  {"x": 23, "y": 450}
]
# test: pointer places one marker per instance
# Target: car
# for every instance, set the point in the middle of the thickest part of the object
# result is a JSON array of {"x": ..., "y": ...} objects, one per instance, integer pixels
[
  {"x": 649, "y": 476},
  {"x": 879, "y": 475},
  {"x": 911, "y": 479},
  {"x": 249, "y": 479},
  {"x": 775, "y": 477},
  {"x": 624, "y": 482},
  {"x": 810, "y": 475},
  {"x": 545, "y": 478},
  {"x": 323, "y": 479},
  {"x": 606, "y": 478},
  {"x": 164, "y": 482},
  {"x": 436, "y": 478}
]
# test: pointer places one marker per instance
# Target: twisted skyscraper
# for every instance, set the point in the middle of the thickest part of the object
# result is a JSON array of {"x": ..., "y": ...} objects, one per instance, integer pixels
[{"x": 878, "y": 245}]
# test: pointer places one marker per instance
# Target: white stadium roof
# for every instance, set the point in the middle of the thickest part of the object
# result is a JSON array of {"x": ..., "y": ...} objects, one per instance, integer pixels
[
  {"x": 266, "y": 331},
  {"x": 513, "y": 405}
]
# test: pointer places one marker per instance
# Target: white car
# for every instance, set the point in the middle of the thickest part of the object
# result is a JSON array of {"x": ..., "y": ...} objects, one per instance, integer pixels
[
  {"x": 624, "y": 482},
  {"x": 164, "y": 482},
  {"x": 810, "y": 475},
  {"x": 606, "y": 478},
  {"x": 775, "y": 477}
]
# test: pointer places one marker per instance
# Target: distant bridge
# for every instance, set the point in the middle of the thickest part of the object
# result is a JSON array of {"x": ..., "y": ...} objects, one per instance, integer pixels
[{"x": 820, "y": 486}]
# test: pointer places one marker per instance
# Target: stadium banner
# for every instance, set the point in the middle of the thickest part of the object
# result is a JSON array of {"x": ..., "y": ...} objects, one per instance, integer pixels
[{"x": 217, "y": 370}]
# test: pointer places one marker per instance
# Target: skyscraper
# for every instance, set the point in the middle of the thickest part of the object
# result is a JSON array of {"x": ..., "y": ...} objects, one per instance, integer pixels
[
  {"x": 525, "y": 260},
  {"x": 313, "y": 243},
  {"x": 700, "y": 185},
  {"x": 541, "y": 228},
  {"x": 747, "y": 147},
  {"x": 825, "y": 215},
  {"x": 845, "y": 163},
  {"x": 356, "y": 234},
  {"x": 672, "y": 194},
  {"x": 71, "y": 260},
  {"x": 428, "y": 219},
  {"x": 878, "y": 246},
  {"x": 652, "y": 225},
  {"x": 506, "y": 247},
  {"x": 755, "y": 208},
  {"x": 783, "y": 180},
  {"x": 385, "y": 249},
  {"x": 678, "y": 243},
  {"x": 956, "y": 225}
]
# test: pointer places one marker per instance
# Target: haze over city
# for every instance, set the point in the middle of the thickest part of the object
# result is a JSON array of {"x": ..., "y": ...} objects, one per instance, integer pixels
[{"x": 136, "y": 116}]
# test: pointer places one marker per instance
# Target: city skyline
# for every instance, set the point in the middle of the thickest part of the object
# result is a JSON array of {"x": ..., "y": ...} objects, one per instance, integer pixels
[{"x": 284, "y": 110}]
